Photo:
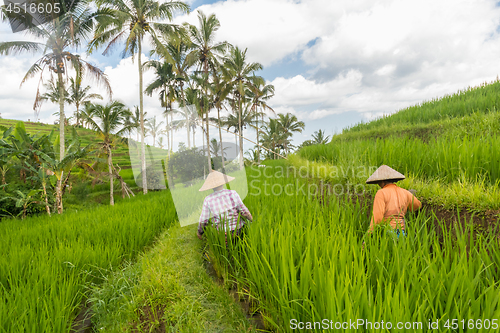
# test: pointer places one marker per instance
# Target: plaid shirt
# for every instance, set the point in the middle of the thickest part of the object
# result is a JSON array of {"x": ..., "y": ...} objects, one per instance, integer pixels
[{"x": 225, "y": 205}]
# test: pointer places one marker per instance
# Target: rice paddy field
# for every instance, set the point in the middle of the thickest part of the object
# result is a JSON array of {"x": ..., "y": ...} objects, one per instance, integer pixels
[
  {"x": 306, "y": 260},
  {"x": 306, "y": 263},
  {"x": 87, "y": 136},
  {"x": 47, "y": 263}
]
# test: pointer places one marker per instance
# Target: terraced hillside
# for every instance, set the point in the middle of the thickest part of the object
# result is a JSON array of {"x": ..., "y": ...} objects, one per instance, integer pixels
[{"x": 448, "y": 148}]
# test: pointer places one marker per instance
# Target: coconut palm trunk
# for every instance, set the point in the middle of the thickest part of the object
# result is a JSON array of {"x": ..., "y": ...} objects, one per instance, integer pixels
[
  {"x": 258, "y": 148},
  {"x": 61, "y": 114},
  {"x": 110, "y": 170},
  {"x": 205, "y": 65},
  {"x": 141, "y": 110},
  {"x": 220, "y": 138},
  {"x": 168, "y": 131},
  {"x": 188, "y": 125},
  {"x": 240, "y": 132},
  {"x": 171, "y": 132}
]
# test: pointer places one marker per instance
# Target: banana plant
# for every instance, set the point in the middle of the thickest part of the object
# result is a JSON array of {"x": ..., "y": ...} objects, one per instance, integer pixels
[
  {"x": 24, "y": 200},
  {"x": 16, "y": 143},
  {"x": 61, "y": 169}
]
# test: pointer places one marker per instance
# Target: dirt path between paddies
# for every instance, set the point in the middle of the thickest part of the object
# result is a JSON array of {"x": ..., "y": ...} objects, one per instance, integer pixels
[{"x": 171, "y": 291}]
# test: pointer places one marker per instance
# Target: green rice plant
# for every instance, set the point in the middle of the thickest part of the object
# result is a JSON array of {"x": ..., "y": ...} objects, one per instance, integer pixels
[
  {"x": 447, "y": 159},
  {"x": 481, "y": 99},
  {"x": 46, "y": 262},
  {"x": 305, "y": 261}
]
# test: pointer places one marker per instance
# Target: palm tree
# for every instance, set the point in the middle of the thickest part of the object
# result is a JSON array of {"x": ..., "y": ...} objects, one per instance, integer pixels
[
  {"x": 189, "y": 120},
  {"x": 240, "y": 76},
  {"x": 219, "y": 91},
  {"x": 289, "y": 124},
  {"x": 165, "y": 82},
  {"x": 59, "y": 35},
  {"x": 238, "y": 124},
  {"x": 52, "y": 93},
  {"x": 106, "y": 120},
  {"x": 154, "y": 128},
  {"x": 273, "y": 137},
  {"x": 135, "y": 119},
  {"x": 129, "y": 123},
  {"x": 80, "y": 96},
  {"x": 174, "y": 50},
  {"x": 134, "y": 19},
  {"x": 160, "y": 142},
  {"x": 320, "y": 138},
  {"x": 260, "y": 93},
  {"x": 205, "y": 50}
]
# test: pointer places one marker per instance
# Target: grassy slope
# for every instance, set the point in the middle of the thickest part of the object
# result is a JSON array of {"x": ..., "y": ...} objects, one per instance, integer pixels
[
  {"x": 446, "y": 147},
  {"x": 120, "y": 153}
]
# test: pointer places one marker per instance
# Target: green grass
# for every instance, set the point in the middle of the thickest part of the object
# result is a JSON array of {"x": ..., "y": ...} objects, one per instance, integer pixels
[
  {"x": 481, "y": 99},
  {"x": 45, "y": 262},
  {"x": 303, "y": 259},
  {"x": 167, "y": 290}
]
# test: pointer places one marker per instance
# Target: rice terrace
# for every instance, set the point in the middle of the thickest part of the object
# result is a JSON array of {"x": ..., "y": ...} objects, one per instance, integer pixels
[{"x": 223, "y": 196}]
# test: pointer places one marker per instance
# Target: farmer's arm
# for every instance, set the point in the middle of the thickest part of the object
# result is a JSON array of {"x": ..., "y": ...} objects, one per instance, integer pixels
[
  {"x": 204, "y": 218},
  {"x": 413, "y": 203},
  {"x": 378, "y": 210},
  {"x": 240, "y": 206}
]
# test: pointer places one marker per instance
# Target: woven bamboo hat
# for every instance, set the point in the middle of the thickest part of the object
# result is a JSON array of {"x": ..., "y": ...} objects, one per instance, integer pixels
[
  {"x": 215, "y": 179},
  {"x": 384, "y": 173}
]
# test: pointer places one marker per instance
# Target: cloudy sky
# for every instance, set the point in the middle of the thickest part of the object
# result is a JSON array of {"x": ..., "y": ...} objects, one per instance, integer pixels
[{"x": 333, "y": 63}]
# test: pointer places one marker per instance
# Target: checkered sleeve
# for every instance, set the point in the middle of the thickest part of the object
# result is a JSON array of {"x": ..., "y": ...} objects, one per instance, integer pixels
[
  {"x": 240, "y": 206},
  {"x": 204, "y": 217}
]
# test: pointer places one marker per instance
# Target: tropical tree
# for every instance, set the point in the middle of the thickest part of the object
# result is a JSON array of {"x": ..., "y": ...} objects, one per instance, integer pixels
[
  {"x": 289, "y": 124},
  {"x": 52, "y": 93},
  {"x": 135, "y": 121},
  {"x": 79, "y": 95},
  {"x": 205, "y": 51},
  {"x": 189, "y": 120},
  {"x": 108, "y": 121},
  {"x": 164, "y": 82},
  {"x": 260, "y": 93},
  {"x": 274, "y": 138},
  {"x": 174, "y": 50},
  {"x": 154, "y": 128},
  {"x": 219, "y": 90},
  {"x": 61, "y": 169},
  {"x": 320, "y": 138},
  {"x": 248, "y": 118},
  {"x": 240, "y": 75},
  {"x": 59, "y": 35},
  {"x": 133, "y": 20},
  {"x": 160, "y": 142}
]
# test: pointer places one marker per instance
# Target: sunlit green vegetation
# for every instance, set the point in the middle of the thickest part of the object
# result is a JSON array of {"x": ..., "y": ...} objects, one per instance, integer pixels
[
  {"x": 482, "y": 99},
  {"x": 303, "y": 259},
  {"x": 46, "y": 262}
]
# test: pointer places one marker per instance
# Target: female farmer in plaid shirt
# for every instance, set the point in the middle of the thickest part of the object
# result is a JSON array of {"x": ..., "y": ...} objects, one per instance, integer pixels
[{"x": 222, "y": 205}]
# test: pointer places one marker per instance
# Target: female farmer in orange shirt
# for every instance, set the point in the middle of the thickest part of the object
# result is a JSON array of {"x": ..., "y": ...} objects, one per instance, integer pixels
[{"x": 391, "y": 201}]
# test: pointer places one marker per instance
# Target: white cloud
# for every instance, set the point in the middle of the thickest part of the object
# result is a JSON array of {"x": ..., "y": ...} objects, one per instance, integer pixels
[
  {"x": 270, "y": 29},
  {"x": 368, "y": 57},
  {"x": 301, "y": 91}
]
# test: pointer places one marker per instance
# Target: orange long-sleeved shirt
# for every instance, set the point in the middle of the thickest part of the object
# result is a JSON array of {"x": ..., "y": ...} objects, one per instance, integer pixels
[{"x": 391, "y": 204}]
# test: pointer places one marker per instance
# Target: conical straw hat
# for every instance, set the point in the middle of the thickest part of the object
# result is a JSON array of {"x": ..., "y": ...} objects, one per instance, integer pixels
[
  {"x": 384, "y": 173},
  {"x": 215, "y": 179}
]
